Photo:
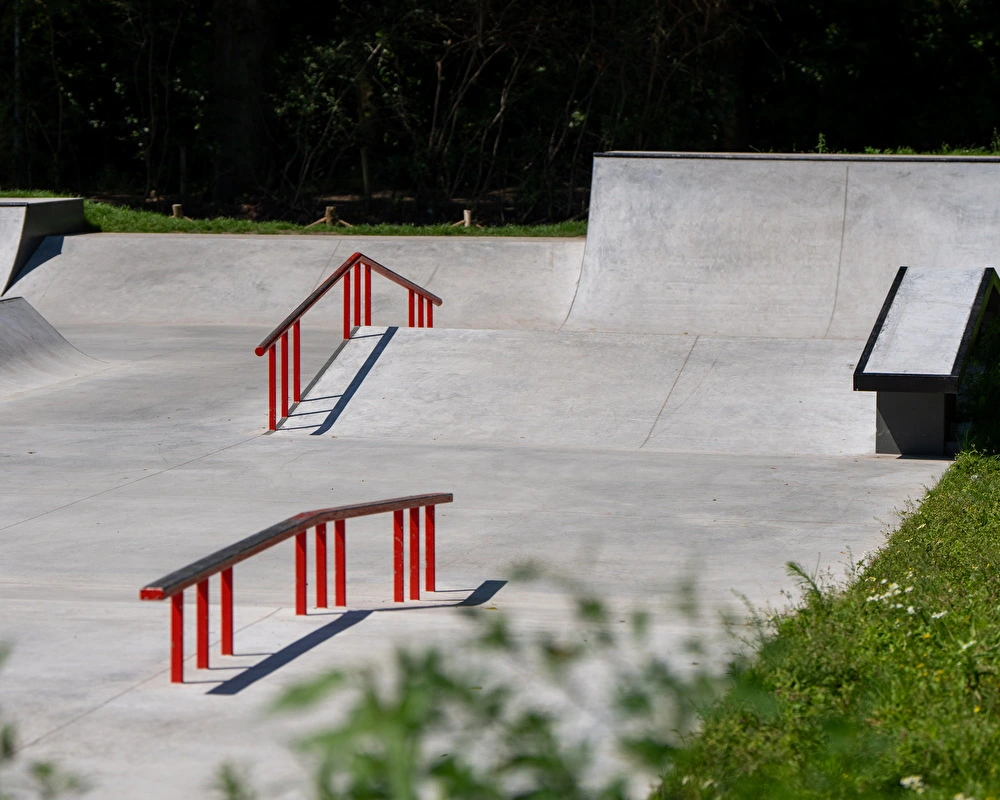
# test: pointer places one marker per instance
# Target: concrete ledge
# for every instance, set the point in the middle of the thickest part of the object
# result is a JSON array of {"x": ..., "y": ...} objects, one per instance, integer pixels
[
  {"x": 926, "y": 328},
  {"x": 913, "y": 423},
  {"x": 24, "y": 222},
  {"x": 917, "y": 351}
]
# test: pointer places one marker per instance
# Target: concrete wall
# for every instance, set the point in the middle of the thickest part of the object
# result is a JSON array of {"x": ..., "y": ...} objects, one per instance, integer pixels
[{"x": 800, "y": 246}]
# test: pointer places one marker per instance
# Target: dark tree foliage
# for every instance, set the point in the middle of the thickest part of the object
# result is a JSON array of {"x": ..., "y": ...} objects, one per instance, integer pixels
[{"x": 494, "y": 104}]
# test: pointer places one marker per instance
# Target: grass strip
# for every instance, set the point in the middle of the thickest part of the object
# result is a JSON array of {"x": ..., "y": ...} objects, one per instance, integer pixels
[
  {"x": 107, "y": 218},
  {"x": 881, "y": 688},
  {"x": 116, "y": 219}
]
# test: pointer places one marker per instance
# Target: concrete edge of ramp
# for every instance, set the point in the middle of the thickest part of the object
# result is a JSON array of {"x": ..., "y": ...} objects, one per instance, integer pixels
[
  {"x": 791, "y": 156},
  {"x": 34, "y": 354},
  {"x": 25, "y": 222}
]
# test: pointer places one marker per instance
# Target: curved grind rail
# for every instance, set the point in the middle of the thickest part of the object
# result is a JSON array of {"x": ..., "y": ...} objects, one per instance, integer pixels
[
  {"x": 221, "y": 563},
  {"x": 421, "y": 315}
]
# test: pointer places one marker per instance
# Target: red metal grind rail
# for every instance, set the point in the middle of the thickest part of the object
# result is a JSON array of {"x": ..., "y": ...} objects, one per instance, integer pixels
[
  {"x": 222, "y": 561},
  {"x": 421, "y": 315}
]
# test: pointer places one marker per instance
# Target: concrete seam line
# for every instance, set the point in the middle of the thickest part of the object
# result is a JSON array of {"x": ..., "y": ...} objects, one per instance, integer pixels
[
  {"x": 124, "y": 692},
  {"x": 130, "y": 483},
  {"x": 576, "y": 289},
  {"x": 673, "y": 386},
  {"x": 325, "y": 269},
  {"x": 840, "y": 255}
]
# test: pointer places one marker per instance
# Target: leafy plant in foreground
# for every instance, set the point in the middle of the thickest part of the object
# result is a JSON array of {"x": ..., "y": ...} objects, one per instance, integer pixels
[
  {"x": 49, "y": 781},
  {"x": 509, "y": 714}
]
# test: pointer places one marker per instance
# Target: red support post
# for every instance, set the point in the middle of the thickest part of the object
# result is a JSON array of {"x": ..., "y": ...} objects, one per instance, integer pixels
[
  {"x": 340, "y": 562},
  {"x": 284, "y": 375},
  {"x": 226, "y": 598},
  {"x": 347, "y": 305},
  {"x": 272, "y": 414},
  {"x": 397, "y": 556},
  {"x": 296, "y": 362},
  {"x": 368, "y": 295},
  {"x": 430, "y": 314},
  {"x": 321, "y": 565},
  {"x": 429, "y": 548},
  {"x": 201, "y": 642},
  {"x": 411, "y": 308},
  {"x": 415, "y": 553},
  {"x": 420, "y": 311},
  {"x": 300, "y": 573},
  {"x": 177, "y": 638},
  {"x": 357, "y": 293}
]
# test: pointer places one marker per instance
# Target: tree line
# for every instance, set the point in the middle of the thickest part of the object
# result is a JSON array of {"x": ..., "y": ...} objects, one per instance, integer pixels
[{"x": 497, "y": 105}]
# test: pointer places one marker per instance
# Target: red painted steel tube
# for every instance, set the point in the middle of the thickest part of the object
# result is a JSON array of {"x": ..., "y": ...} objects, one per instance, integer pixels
[
  {"x": 357, "y": 293},
  {"x": 340, "y": 562},
  {"x": 296, "y": 361},
  {"x": 284, "y": 375},
  {"x": 412, "y": 294},
  {"x": 415, "y": 552},
  {"x": 321, "y": 565},
  {"x": 429, "y": 554},
  {"x": 329, "y": 283},
  {"x": 168, "y": 585},
  {"x": 430, "y": 314},
  {"x": 226, "y": 598},
  {"x": 201, "y": 641},
  {"x": 368, "y": 295},
  {"x": 347, "y": 305},
  {"x": 420, "y": 311},
  {"x": 177, "y": 638},
  {"x": 272, "y": 412},
  {"x": 300, "y": 573},
  {"x": 397, "y": 556}
]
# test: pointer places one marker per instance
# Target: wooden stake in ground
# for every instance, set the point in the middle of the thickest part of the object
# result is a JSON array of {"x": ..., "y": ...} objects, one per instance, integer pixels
[{"x": 330, "y": 218}]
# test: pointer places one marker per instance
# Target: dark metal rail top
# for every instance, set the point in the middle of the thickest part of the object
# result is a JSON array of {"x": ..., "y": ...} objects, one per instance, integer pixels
[
  {"x": 193, "y": 573},
  {"x": 324, "y": 287}
]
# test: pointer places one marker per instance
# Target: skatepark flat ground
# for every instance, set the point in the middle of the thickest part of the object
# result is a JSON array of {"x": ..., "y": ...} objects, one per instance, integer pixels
[{"x": 604, "y": 445}]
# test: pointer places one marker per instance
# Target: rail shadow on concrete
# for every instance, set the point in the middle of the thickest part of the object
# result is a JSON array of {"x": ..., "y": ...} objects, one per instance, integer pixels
[
  {"x": 348, "y": 619},
  {"x": 345, "y": 398}
]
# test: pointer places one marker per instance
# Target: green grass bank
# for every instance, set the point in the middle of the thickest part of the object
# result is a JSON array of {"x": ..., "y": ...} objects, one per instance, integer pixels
[
  {"x": 886, "y": 687},
  {"x": 107, "y": 218}
]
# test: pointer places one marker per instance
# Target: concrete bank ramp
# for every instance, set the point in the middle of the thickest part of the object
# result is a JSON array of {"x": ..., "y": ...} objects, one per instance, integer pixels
[
  {"x": 487, "y": 283},
  {"x": 33, "y": 354},
  {"x": 592, "y": 390},
  {"x": 766, "y": 245}
]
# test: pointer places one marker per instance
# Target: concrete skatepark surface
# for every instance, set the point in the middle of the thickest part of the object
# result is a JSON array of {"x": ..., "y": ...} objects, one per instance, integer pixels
[{"x": 672, "y": 399}]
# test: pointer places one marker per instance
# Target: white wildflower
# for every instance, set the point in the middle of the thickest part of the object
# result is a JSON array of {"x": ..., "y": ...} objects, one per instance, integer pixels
[
  {"x": 914, "y": 782},
  {"x": 938, "y": 614},
  {"x": 911, "y": 610}
]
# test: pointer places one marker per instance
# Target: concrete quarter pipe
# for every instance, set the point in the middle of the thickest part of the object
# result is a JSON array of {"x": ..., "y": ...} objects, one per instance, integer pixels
[{"x": 673, "y": 396}]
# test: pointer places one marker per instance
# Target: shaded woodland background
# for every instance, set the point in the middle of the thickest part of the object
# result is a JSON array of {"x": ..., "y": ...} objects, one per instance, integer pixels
[{"x": 407, "y": 111}]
